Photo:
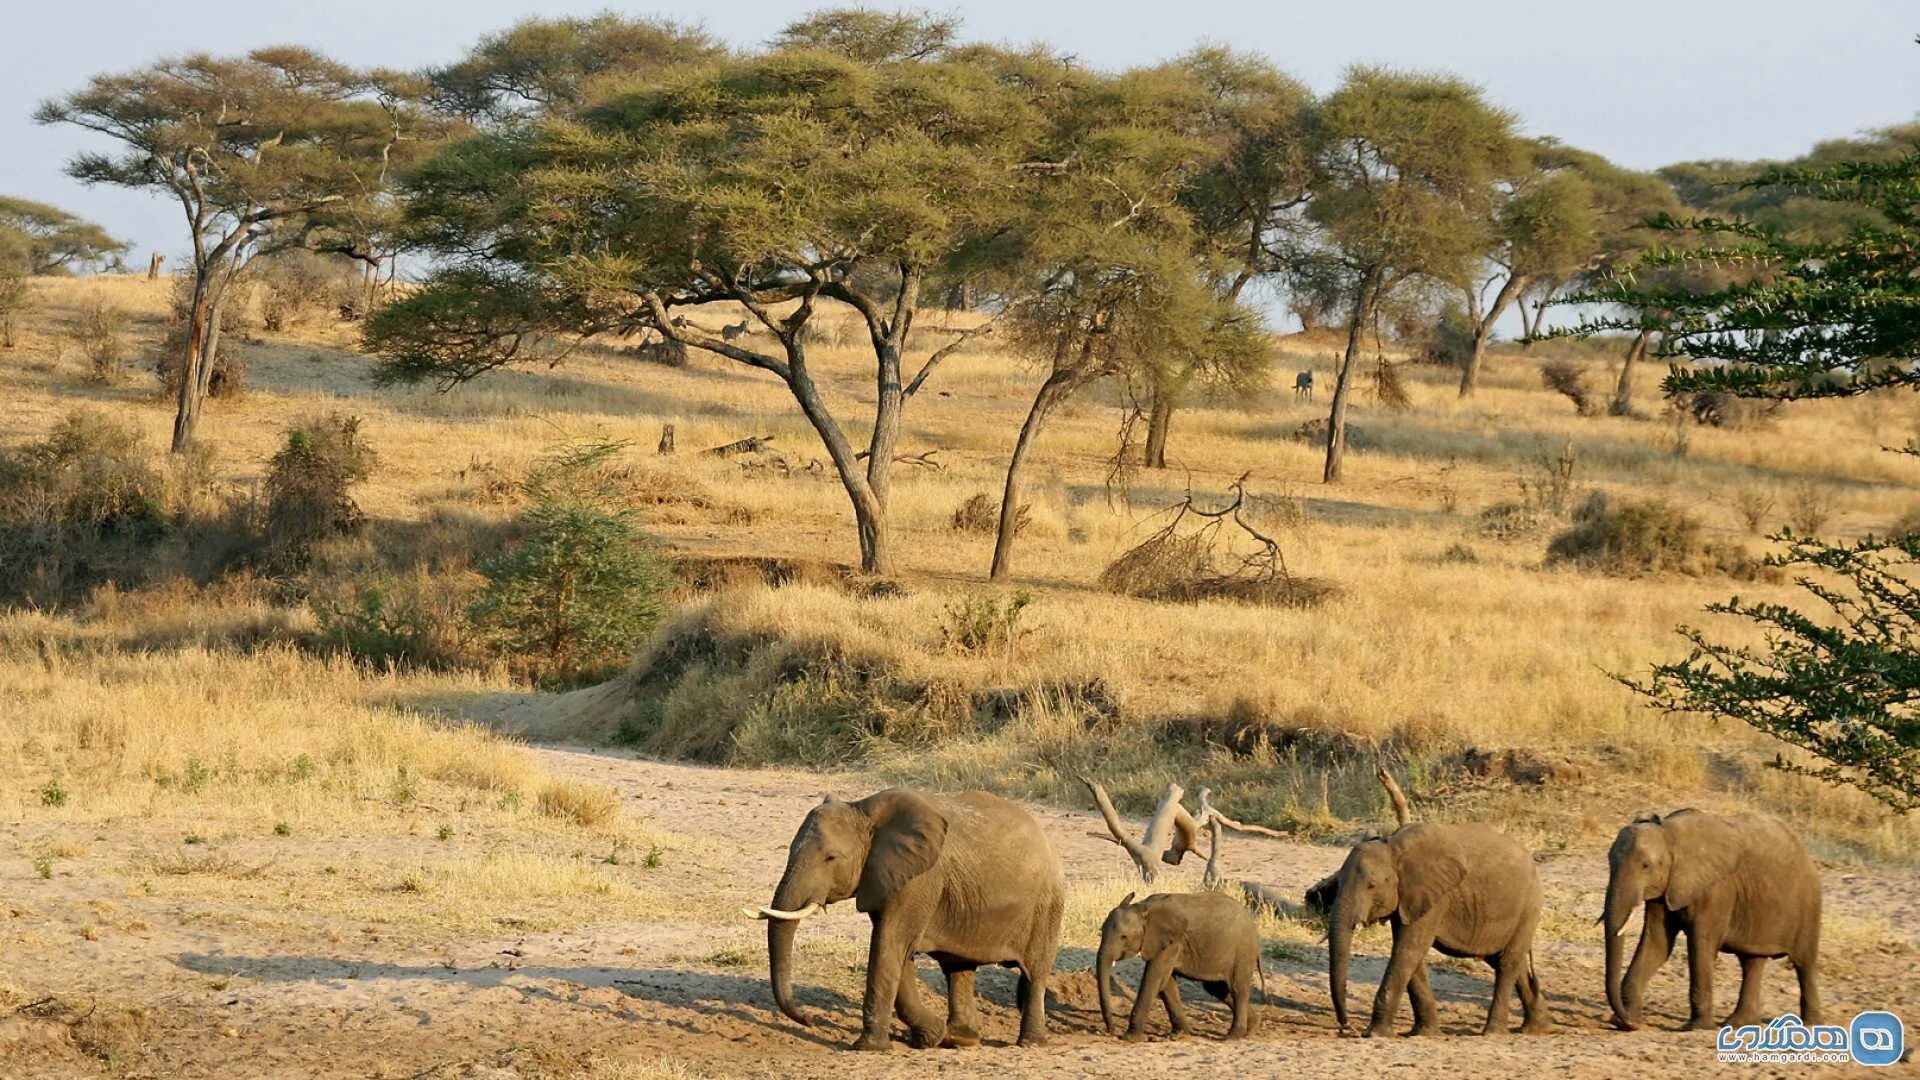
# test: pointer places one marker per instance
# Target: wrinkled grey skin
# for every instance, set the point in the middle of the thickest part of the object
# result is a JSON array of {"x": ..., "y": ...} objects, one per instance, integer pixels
[
  {"x": 1466, "y": 890},
  {"x": 967, "y": 879},
  {"x": 1740, "y": 884},
  {"x": 1208, "y": 937}
]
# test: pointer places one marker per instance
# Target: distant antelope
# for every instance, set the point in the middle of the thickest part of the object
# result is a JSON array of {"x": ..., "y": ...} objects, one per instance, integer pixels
[
  {"x": 739, "y": 329},
  {"x": 1303, "y": 385}
]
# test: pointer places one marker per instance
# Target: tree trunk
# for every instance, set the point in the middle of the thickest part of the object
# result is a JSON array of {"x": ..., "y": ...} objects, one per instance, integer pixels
[
  {"x": 1059, "y": 384},
  {"x": 186, "y": 419},
  {"x": 1622, "y": 403},
  {"x": 1337, "y": 418},
  {"x": 1159, "y": 417},
  {"x": 1483, "y": 330},
  {"x": 153, "y": 266},
  {"x": 869, "y": 507}
]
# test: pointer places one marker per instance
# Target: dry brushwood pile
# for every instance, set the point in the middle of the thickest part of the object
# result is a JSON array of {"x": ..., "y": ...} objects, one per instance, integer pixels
[{"x": 1192, "y": 557}]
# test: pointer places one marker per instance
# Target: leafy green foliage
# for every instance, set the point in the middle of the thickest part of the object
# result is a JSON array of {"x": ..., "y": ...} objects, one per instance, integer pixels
[
  {"x": 778, "y": 182},
  {"x": 1796, "y": 314},
  {"x": 48, "y": 240},
  {"x": 574, "y": 598},
  {"x": 1407, "y": 170},
  {"x": 309, "y": 484},
  {"x": 380, "y": 626},
  {"x": 546, "y": 65},
  {"x": 980, "y": 623},
  {"x": 77, "y": 509},
  {"x": 1795, "y": 306},
  {"x": 279, "y": 149},
  {"x": 1843, "y": 688}
]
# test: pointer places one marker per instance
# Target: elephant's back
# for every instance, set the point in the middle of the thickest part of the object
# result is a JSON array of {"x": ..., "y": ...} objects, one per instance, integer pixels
[
  {"x": 1779, "y": 850},
  {"x": 1006, "y": 826},
  {"x": 1487, "y": 847}
]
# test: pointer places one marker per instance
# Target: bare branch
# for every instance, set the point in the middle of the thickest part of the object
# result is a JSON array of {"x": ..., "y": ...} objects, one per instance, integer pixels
[
  {"x": 1159, "y": 830},
  {"x": 1394, "y": 793}
]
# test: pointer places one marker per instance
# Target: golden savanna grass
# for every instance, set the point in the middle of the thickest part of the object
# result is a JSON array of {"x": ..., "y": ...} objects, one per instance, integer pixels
[{"x": 1444, "y": 637}]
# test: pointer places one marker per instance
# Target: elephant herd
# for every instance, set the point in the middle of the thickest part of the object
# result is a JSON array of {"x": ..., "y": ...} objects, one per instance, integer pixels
[{"x": 971, "y": 879}]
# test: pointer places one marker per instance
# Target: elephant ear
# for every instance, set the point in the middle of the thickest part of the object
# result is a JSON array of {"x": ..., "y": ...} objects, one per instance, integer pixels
[
  {"x": 1704, "y": 850},
  {"x": 1427, "y": 874},
  {"x": 907, "y": 838},
  {"x": 1166, "y": 924}
]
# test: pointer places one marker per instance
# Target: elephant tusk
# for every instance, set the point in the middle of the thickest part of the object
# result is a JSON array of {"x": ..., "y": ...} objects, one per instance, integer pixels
[
  {"x": 1622, "y": 932},
  {"x": 783, "y": 916}
]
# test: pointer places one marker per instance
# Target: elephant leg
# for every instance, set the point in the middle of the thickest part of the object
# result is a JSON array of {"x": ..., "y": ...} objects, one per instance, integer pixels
[
  {"x": 1409, "y": 953},
  {"x": 1656, "y": 944},
  {"x": 1806, "y": 967},
  {"x": 1036, "y": 968},
  {"x": 1241, "y": 986},
  {"x": 1176, "y": 1010},
  {"x": 1159, "y": 971},
  {"x": 1747, "y": 1009},
  {"x": 1506, "y": 972},
  {"x": 1426, "y": 1010},
  {"x": 924, "y": 1026},
  {"x": 887, "y": 955},
  {"x": 1702, "y": 949},
  {"x": 963, "y": 1013}
]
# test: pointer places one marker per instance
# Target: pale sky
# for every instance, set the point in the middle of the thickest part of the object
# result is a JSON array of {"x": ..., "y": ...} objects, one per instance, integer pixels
[{"x": 1645, "y": 82}]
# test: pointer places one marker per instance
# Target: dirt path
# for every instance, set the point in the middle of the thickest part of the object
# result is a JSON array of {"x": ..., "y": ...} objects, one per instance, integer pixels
[{"x": 205, "y": 990}]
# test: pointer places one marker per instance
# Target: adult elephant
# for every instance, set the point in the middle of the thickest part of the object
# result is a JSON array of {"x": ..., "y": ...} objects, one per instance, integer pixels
[
  {"x": 1465, "y": 890},
  {"x": 1741, "y": 884},
  {"x": 968, "y": 879}
]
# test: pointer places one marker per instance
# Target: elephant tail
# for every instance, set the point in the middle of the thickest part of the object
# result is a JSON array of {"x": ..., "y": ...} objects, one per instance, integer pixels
[
  {"x": 1260, "y": 967},
  {"x": 1533, "y": 975}
]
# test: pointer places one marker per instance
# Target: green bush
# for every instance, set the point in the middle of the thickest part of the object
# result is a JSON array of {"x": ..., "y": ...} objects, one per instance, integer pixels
[
  {"x": 78, "y": 509},
  {"x": 980, "y": 623},
  {"x": 383, "y": 624},
  {"x": 1643, "y": 536},
  {"x": 573, "y": 598},
  {"x": 309, "y": 484}
]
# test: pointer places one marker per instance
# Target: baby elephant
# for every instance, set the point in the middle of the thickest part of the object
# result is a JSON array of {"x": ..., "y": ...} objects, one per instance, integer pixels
[{"x": 1208, "y": 937}]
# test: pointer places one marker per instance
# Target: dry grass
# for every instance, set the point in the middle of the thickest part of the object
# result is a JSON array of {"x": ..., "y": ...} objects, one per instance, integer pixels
[{"x": 1494, "y": 653}]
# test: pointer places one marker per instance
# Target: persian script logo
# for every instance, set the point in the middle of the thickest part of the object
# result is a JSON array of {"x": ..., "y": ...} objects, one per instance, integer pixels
[{"x": 1874, "y": 1038}]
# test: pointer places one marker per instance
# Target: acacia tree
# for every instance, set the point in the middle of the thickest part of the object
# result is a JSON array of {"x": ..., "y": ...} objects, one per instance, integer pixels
[
  {"x": 1542, "y": 229},
  {"x": 547, "y": 65},
  {"x": 1253, "y": 176},
  {"x": 1809, "y": 315},
  {"x": 49, "y": 240},
  {"x": 774, "y": 183},
  {"x": 1406, "y": 170},
  {"x": 266, "y": 152}
]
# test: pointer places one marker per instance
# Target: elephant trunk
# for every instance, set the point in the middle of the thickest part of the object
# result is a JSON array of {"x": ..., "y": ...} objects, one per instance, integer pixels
[
  {"x": 1620, "y": 901},
  {"x": 1340, "y": 926},
  {"x": 780, "y": 934},
  {"x": 1103, "y": 972}
]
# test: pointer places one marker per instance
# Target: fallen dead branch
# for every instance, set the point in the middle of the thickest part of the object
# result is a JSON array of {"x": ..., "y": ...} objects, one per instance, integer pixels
[
  {"x": 1173, "y": 564},
  {"x": 752, "y": 445},
  {"x": 1172, "y": 831},
  {"x": 1165, "y": 828},
  {"x": 923, "y": 460}
]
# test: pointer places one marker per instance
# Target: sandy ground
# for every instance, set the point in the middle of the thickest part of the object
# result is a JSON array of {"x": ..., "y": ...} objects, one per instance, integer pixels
[{"x": 212, "y": 989}]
